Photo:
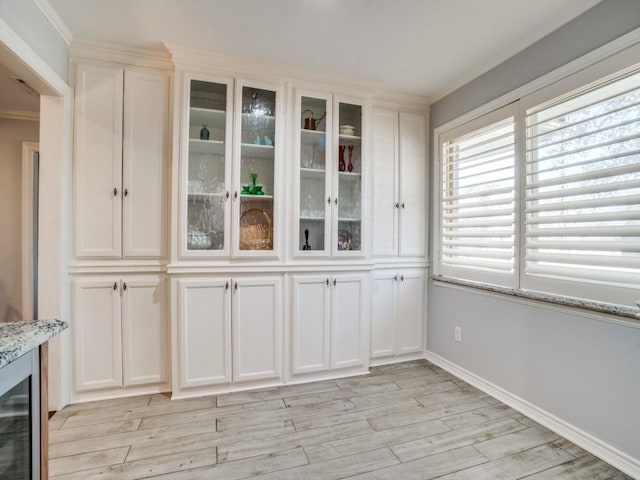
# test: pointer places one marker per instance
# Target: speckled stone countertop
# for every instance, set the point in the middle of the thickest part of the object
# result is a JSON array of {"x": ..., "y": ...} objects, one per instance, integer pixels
[{"x": 18, "y": 338}]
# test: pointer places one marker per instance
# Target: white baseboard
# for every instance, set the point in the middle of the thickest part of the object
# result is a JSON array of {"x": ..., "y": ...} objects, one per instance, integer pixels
[{"x": 593, "y": 445}]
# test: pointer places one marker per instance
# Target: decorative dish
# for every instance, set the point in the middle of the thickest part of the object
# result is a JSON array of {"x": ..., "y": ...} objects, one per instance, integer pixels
[
  {"x": 347, "y": 129},
  {"x": 256, "y": 230}
]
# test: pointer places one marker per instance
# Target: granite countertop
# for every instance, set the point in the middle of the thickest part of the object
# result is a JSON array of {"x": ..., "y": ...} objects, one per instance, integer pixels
[{"x": 18, "y": 338}]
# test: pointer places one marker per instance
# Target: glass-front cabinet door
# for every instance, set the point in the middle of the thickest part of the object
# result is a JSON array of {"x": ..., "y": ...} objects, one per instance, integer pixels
[
  {"x": 230, "y": 176},
  {"x": 313, "y": 226},
  {"x": 348, "y": 187},
  {"x": 328, "y": 155},
  {"x": 257, "y": 145},
  {"x": 208, "y": 173}
]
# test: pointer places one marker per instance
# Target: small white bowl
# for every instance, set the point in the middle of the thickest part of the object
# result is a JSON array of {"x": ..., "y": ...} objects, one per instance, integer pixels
[{"x": 347, "y": 129}]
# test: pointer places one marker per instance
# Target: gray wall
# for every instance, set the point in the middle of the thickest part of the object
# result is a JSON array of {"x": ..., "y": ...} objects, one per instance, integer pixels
[
  {"x": 27, "y": 20},
  {"x": 580, "y": 369}
]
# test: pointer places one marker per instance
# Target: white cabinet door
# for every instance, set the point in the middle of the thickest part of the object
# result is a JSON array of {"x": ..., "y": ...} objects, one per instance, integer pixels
[
  {"x": 348, "y": 335},
  {"x": 383, "y": 315},
  {"x": 413, "y": 184},
  {"x": 98, "y": 162},
  {"x": 385, "y": 183},
  {"x": 97, "y": 333},
  {"x": 257, "y": 328},
  {"x": 204, "y": 330},
  {"x": 310, "y": 324},
  {"x": 410, "y": 311},
  {"x": 144, "y": 331},
  {"x": 146, "y": 99}
]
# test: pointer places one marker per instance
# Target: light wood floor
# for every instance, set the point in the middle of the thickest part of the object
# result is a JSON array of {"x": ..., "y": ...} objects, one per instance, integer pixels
[{"x": 405, "y": 421}]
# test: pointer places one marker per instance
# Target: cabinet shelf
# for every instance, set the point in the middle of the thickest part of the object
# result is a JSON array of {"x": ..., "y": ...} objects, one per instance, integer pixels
[
  {"x": 350, "y": 175},
  {"x": 270, "y": 119},
  {"x": 206, "y": 116},
  {"x": 208, "y": 147},
  {"x": 311, "y": 137},
  {"x": 204, "y": 196},
  {"x": 312, "y": 219},
  {"x": 312, "y": 173},
  {"x": 257, "y": 151},
  {"x": 254, "y": 198},
  {"x": 349, "y": 139},
  {"x": 345, "y": 219}
]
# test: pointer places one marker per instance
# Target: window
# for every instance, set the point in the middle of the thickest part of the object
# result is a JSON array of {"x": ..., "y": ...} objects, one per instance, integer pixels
[
  {"x": 477, "y": 225},
  {"x": 555, "y": 208}
]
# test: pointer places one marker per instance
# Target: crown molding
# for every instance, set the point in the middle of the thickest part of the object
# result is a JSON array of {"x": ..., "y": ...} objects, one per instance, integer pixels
[
  {"x": 113, "y": 53},
  {"x": 406, "y": 100},
  {"x": 54, "y": 19},
  {"x": 209, "y": 61},
  {"x": 19, "y": 115}
]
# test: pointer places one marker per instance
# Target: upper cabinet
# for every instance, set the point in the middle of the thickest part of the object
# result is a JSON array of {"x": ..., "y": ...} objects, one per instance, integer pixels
[
  {"x": 330, "y": 167},
  {"x": 120, "y": 162},
  {"x": 230, "y": 168},
  {"x": 399, "y": 184}
]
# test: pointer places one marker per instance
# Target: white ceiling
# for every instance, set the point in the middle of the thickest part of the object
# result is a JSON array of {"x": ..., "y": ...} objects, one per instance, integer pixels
[{"x": 425, "y": 47}]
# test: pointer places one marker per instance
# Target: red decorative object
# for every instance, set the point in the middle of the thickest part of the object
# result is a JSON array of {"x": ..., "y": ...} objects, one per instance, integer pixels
[
  {"x": 350, "y": 166},
  {"x": 341, "y": 163}
]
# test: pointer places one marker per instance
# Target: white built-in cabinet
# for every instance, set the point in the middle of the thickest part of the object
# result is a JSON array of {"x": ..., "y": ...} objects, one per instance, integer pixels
[
  {"x": 329, "y": 324},
  {"x": 397, "y": 312},
  {"x": 120, "y": 332},
  {"x": 399, "y": 174},
  {"x": 120, "y": 162},
  {"x": 229, "y": 331}
]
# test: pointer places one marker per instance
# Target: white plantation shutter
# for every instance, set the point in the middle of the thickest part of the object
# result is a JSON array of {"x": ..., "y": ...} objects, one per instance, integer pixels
[
  {"x": 582, "y": 210},
  {"x": 477, "y": 198}
]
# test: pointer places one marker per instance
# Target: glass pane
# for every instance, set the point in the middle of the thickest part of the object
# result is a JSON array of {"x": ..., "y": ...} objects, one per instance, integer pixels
[
  {"x": 313, "y": 156},
  {"x": 257, "y": 149},
  {"x": 15, "y": 425},
  {"x": 206, "y": 172},
  {"x": 349, "y": 177}
]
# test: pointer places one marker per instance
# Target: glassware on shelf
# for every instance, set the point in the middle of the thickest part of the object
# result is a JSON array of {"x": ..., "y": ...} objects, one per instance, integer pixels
[
  {"x": 341, "y": 163},
  {"x": 204, "y": 133},
  {"x": 306, "y": 245},
  {"x": 350, "y": 166}
]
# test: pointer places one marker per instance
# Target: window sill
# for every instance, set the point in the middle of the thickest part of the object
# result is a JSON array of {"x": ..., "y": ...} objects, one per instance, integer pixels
[{"x": 571, "y": 302}]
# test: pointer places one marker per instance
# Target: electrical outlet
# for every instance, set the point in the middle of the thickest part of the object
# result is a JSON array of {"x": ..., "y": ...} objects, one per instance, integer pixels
[{"x": 457, "y": 334}]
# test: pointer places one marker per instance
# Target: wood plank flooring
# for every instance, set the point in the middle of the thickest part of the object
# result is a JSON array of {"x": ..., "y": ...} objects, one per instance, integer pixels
[{"x": 403, "y": 422}]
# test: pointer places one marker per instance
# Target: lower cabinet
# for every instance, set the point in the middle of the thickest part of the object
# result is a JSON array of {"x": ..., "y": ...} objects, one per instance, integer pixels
[
  {"x": 228, "y": 330},
  {"x": 329, "y": 323},
  {"x": 120, "y": 332},
  {"x": 397, "y": 316}
]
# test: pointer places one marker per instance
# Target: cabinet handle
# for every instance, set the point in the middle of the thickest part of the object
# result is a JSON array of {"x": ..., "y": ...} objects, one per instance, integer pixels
[
  {"x": 327, "y": 281},
  {"x": 124, "y": 285},
  {"x": 115, "y": 286},
  {"x": 126, "y": 192},
  {"x": 395, "y": 278},
  {"x": 402, "y": 205},
  {"x": 115, "y": 192},
  {"x": 397, "y": 205},
  {"x": 334, "y": 282},
  {"x": 335, "y": 200},
  {"x": 235, "y": 286},
  {"x": 226, "y": 286},
  {"x": 227, "y": 193},
  {"x": 235, "y": 194},
  {"x": 329, "y": 200},
  {"x": 402, "y": 278}
]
